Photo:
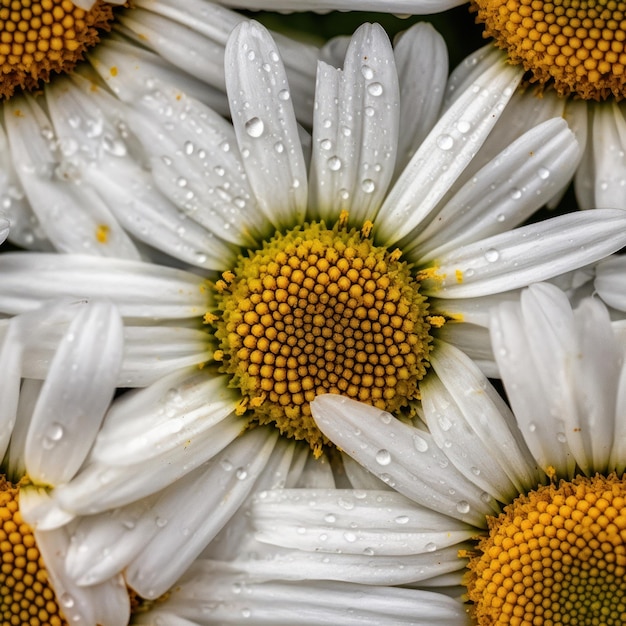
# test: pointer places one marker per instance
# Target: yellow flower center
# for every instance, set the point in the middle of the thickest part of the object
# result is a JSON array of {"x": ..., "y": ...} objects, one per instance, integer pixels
[
  {"x": 556, "y": 556},
  {"x": 577, "y": 45},
  {"x": 321, "y": 311},
  {"x": 40, "y": 37},
  {"x": 26, "y": 597}
]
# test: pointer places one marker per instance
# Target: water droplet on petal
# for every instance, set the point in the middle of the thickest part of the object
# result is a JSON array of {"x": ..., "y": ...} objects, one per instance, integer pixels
[
  {"x": 543, "y": 173},
  {"x": 368, "y": 185},
  {"x": 463, "y": 506},
  {"x": 255, "y": 127},
  {"x": 375, "y": 89},
  {"x": 367, "y": 72},
  {"x": 421, "y": 445},
  {"x": 561, "y": 437},
  {"x": 241, "y": 473},
  {"x": 334, "y": 163},
  {"x": 430, "y": 547},
  {"x": 284, "y": 95},
  {"x": 492, "y": 255},
  {"x": 383, "y": 457},
  {"x": 515, "y": 193},
  {"x": 445, "y": 142},
  {"x": 402, "y": 519}
]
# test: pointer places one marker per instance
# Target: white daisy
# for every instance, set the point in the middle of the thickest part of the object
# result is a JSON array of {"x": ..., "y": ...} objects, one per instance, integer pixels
[
  {"x": 78, "y": 156},
  {"x": 358, "y": 305},
  {"x": 46, "y": 429},
  {"x": 556, "y": 553}
]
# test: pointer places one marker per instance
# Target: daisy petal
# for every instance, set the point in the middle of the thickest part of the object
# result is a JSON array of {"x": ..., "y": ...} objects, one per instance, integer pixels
[
  {"x": 4, "y": 227},
  {"x": 275, "y": 603},
  {"x": 200, "y": 504},
  {"x": 355, "y": 128},
  {"x": 446, "y": 152},
  {"x": 528, "y": 254},
  {"x": 145, "y": 291},
  {"x": 404, "y": 457},
  {"x": 69, "y": 409},
  {"x": 265, "y": 124},
  {"x": 468, "y": 418},
  {"x": 72, "y": 215},
  {"x": 402, "y": 7},
  {"x": 505, "y": 192},
  {"x": 610, "y": 281},
  {"x": 11, "y": 354},
  {"x": 422, "y": 60}
]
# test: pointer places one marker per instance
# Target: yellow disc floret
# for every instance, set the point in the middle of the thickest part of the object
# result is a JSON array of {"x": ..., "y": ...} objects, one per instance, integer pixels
[
  {"x": 579, "y": 46},
  {"x": 40, "y": 37},
  {"x": 556, "y": 556},
  {"x": 27, "y": 599},
  {"x": 321, "y": 311}
]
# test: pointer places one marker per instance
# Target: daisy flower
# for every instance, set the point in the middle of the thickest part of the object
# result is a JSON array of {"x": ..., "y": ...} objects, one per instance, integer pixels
[
  {"x": 70, "y": 161},
  {"x": 327, "y": 278},
  {"x": 540, "y": 492},
  {"x": 47, "y": 426}
]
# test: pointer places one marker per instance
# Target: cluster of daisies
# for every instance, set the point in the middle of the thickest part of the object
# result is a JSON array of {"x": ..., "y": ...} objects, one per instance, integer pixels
[{"x": 304, "y": 331}]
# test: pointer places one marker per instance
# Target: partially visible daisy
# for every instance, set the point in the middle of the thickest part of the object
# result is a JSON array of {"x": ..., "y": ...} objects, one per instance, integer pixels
[
  {"x": 541, "y": 491},
  {"x": 72, "y": 160},
  {"x": 46, "y": 429},
  {"x": 330, "y": 279}
]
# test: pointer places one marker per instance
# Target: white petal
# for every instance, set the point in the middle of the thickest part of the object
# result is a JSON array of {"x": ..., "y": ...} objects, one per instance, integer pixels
[
  {"x": 148, "y": 423},
  {"x": 283, "y": 603},
  {"x": 359, "y": 477},
  {"x": 72, "y": 215},
  {"x": 138, "y": 289},
  {"x": 474, "y": 341},
  {"x": 105, "y": 604},
  {"x": 402, "y": 456},
  {"x": 469, "y": 419},
  {"x": 402, "y": 7},
  {"x": 11, "y": 350},
  {"x": 370, "y": 523},
  {"x": 422, "y": 60},
  {"x": 355, "y": 129},
  {"x": 528, "y": 254},
  {"x": 41, "y": 510},
  {"x": 100, "y": 486},
  {"x": 446, "y": 152},
  {"x": 265, "y": 124},
  {"x": 4, "y": 227},
  {"x": 75, "y": 395},
  {"x": 610, "y": 282},
  {"x": 193, "y": 511},
  {"x": 529, "y": 345},
  {"x": 505, "y": 192}
]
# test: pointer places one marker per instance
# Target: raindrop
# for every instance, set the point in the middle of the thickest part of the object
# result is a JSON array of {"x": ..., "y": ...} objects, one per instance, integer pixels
[
  {"x": 241, "y": 474},
  {"x": 368, "y": 551},
  {"x": 543, "y": 173},
  {"x": 369, "y": 111},
  {"x": 463, "y": 126},
  {"x": 383, "y": 457},
  {"x": 463, "y": 506},
  {"x": 445, "y": 142},
  {"x": 326, "y": 144},
  {"x": 500, "y": 217},
  {"x": 349, "y": 537},
  {"x": 367, "y": 72},
  {"x": 532, "y": 427},
  {"x": 189, "y": 147},
  {"x": 492, "y": 255},
  {"x": 284, "y": 95},
  {"x": 375, "y": 89},
  {"x": 161, "y": 522},
  {"x": 330, "y": 518},
  {"x": 421, "y": 445},
  {"x": 55, "y": 432},
  {"x": 251, "y": 55},
  {"x": 181, "y": 181},
  {"x": 402, "y": 519},
  {"x": 348, "y": 505},
  {"x": 67, "y": 601},
  {"x": 368, "y": 185},
  {"x": 334, "y": 163},
  {"x": 561, "y": 438},
  {"x": 246, "y": 612},
  {"x": 255, "y": 127},
  {"x": 475, "y": 471},
  {"x": 279, "y": 147},
  {"x": 430, "y": 547},
  {"x": 444, "y": 423},
  {"x": 515, "y": 193}
]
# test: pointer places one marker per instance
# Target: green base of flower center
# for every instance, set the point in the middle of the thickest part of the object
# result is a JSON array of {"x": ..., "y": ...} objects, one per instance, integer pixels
[
  {"x": 578, "y": 46},
  {"x": 41, "y": 37},
  {"x": 321, "y": 311},
  {"x": 556, "y": 556}
]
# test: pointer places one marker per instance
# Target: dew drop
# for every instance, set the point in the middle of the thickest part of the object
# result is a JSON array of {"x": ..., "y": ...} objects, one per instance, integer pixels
[
  {"x": 255, "y": 127},
  {"x": 421, "y": 445},
  {"x": 55, "y": 432},
  {"x": 334, "y": 163},
  {"x": 368, "y": 551},
  {"x": 543, "y": 173},
  {"x": 445, "y": 142},
  {"x": 532, "y": 427},
  {"x": 430, "y": 547},
  {"x": 279, "y": 147},
  {"x": 515, "y": 193},
  {"x": 330, "y": 518},
  {"x": 67, "y": 601},
  {"x": 475, "y": 471},
  {"x": 368, "y": 185},
  {"x": 463, "y": 506},
  {"x": 326, "y": 144},
  {"x": 463, "y": 126},
  {"x": 375, "y": 89},
  {"x": 284, "y": 95},
  {"x": 241, "y": 473},
  {"x": 561, "y": 438},
  {"x": 383, "y": 457},
  {"x": 349, "y": 537},
  {"x": 367, "y": 71},
  {"x": 161, "y": 522},
  {"x": 492, "y": 255},
  {"x": 402, "y": 519},
  {"x": 500, "y": 217}
]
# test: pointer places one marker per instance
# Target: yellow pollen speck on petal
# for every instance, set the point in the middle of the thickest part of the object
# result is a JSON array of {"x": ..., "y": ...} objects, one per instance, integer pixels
[
  {"x": 41, "y": 37},
  {"x": 113, "y": 71},
  {"x": 459, "y": 276},
  {"x": 577, "y": 46},
  {"x": 320, "y": 310},
  {"x": 102, "y": 233},
  {"x": 556, "y": 556},
  {"x": 27, "y": 597},
  {"x": 436, "y": 321}
]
